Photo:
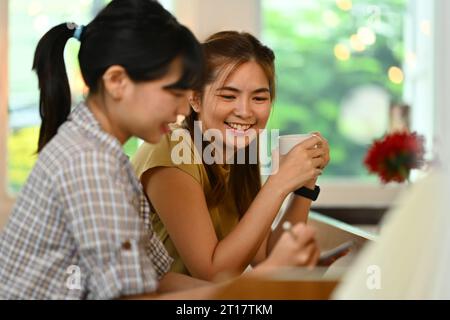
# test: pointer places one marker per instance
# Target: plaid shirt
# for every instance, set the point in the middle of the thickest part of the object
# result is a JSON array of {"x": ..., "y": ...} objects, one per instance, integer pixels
[{"x": 81, "y": 226}]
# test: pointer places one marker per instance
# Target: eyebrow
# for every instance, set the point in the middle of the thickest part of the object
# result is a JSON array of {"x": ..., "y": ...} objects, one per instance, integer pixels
[{"x": 260, "y": 90}]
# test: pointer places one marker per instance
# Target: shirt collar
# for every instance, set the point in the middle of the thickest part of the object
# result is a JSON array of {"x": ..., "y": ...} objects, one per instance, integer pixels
[{"x": 82, "y": 117}]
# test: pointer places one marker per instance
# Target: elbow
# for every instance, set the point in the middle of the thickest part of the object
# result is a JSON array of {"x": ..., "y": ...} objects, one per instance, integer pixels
[
  {"x": 207, "y": 274},
  {"x": 216, "y": 274}
]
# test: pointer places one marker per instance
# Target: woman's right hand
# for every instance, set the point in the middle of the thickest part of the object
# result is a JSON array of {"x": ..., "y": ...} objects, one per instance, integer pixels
[
  {"x": 300, "y": 165},
  {"x": 295, "y": 248}
]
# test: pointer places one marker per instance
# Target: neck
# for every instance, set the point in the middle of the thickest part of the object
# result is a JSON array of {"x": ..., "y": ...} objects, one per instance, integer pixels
[{"x": 100, "y": 110}]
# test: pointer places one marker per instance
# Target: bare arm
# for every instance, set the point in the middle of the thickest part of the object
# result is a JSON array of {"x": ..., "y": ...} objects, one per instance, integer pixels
[
  {"x": 289, "y": 251},
  {"x": 172, "y": 281},
  {"x": 188, "y": 222},
  {"x": 297, "y": 209}
]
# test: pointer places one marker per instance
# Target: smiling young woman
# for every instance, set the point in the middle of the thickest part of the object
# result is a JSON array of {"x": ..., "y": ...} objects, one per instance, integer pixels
[{"x": 216, "y": 218}]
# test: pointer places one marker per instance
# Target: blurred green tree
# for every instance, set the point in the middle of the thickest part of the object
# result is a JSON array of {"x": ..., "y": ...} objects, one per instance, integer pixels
[{"x": 314, "y": 75}]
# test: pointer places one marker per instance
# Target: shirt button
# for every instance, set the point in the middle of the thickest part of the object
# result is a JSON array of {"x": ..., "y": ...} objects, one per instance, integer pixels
[{"x": 126, "y": 245}]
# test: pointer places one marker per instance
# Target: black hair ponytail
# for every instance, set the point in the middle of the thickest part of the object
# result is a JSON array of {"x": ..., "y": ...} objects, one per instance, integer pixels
[
  {"x": 139, "y": 35},
  {"x": 55, "y": 97}
]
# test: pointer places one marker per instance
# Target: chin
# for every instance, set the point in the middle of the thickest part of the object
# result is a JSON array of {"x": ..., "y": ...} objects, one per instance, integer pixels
[
  {"x": 153, "y": 139},
  {"x": 156, "y": 139},
  {"x": 236, "y": 146},
  {"x": 240, "y": 142}
]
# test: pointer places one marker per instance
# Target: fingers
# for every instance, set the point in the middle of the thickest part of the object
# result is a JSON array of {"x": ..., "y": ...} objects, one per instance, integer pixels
[
  {"x": 314, "y": 258},
  {"x": 322, "y": 151},
  {"x": 305, "y": 234},
  {"x": 309, "y": 252},
  {"x": 323, "y": 144},
  {"x": 297, "y": 247},
  {"x": 310, "y": 142},
  {"x": 318, "y": 134},
  {"x": 314, "y": 142},
  {"x": 317, "y": 156},
  {"x": 306, "y": 254},
  {"x": 318, "y": 152},
  {"x": 318, "y": 163}
]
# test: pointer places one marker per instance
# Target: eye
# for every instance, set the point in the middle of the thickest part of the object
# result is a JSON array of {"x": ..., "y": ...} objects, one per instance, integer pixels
[
  {"x": 227, "y": 97},
  {"x": 261, "y": 99},
  {"x": 177, "y": 93}
]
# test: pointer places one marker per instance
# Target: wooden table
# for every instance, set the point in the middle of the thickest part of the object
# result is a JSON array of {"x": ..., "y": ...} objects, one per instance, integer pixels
[
  {"x": 289, "y": 283},
  {"x": 297, "y": 283},
  {"x": 278, "y": 286}
]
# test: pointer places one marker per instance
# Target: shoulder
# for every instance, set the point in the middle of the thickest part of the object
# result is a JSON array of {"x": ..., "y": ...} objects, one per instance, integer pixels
[
  {"x": 96, "y": 163},
  {"x": 73, "y": 154},
  {"x": 175, "y": 149}
]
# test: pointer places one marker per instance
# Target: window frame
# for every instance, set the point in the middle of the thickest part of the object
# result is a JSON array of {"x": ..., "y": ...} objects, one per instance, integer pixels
[
  {"x": 353, "y": 193},
  {"x": 6, "y": 201},
  {"x": 422, "y": 90}
]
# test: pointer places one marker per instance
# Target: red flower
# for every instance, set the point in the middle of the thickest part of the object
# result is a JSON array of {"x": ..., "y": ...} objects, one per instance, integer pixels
[{"x": 393, "y": 157}]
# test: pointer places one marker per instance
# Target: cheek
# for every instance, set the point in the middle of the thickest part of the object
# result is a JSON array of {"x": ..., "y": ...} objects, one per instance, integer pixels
[
  {"x": 212, "y": 116},
  {"x": 158, "y": 106},
  {"x": 138, "y": 104},
  {"x": 263, "y": 115}
]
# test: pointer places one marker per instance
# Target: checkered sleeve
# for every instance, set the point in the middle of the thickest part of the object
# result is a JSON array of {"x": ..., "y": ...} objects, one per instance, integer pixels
[
  {"x": 103, "y": 214},
  {"x": 154, "y": 247}
]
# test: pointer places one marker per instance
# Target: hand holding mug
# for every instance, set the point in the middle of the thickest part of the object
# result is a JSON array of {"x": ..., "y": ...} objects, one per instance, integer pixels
[{"x": 302, "y": 158}]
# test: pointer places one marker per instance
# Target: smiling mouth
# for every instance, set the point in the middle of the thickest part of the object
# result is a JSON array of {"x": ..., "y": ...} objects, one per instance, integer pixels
[{"x": 238, "y": 126}]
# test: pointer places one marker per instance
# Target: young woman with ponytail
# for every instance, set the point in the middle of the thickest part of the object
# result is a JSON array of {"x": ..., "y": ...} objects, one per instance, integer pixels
[{"x": 80, "y": 226}]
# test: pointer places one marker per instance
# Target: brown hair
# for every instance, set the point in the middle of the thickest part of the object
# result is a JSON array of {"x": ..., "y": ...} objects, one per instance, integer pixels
[{"x": 225, "y": 51}]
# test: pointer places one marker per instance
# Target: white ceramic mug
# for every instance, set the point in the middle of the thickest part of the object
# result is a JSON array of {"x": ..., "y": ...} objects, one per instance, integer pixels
[{"x": 286, "y": 143}]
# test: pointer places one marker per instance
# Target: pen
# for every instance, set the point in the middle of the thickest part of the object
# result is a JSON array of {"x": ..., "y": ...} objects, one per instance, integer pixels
[{"x": 287, "y": 226}]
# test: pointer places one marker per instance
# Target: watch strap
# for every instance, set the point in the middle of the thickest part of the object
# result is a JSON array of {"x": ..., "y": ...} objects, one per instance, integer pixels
[{"x": 308, "y": 193}]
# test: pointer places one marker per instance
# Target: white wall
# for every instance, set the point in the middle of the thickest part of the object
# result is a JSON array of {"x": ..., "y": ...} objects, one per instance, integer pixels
[
  {"x": 427, "y": 83},
  {"x": 419, "y": 84},
  {"x": 205, "y": 17},
  {"x": 442, "y": 78}
]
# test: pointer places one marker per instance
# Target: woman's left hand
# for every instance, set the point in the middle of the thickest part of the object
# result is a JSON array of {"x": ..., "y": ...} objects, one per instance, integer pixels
[
  {"x": 326, "y": 150},
  {"x": 325, "y": 157}
]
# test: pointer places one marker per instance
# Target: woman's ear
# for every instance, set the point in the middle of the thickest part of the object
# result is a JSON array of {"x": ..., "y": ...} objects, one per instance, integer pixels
[
  {"x": 115, "y": 80},
  {"x": 195, "y": 101}
]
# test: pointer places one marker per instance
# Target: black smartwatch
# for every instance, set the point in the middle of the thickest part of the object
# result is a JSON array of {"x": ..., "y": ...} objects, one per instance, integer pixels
[{"x": 308, "y": 193}]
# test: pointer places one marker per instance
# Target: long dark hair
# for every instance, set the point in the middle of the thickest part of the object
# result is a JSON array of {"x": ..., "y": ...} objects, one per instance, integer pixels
[
  {"x": 139, "y": 35},
  {"x": 224, "y": 52}
]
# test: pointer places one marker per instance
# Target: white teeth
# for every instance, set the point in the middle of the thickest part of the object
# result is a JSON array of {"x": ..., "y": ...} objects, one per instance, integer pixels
[{"x": 240, "y": 127}]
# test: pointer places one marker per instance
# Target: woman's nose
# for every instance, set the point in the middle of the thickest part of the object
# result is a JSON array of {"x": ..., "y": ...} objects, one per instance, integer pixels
[{"x": 243, "y": 109}]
